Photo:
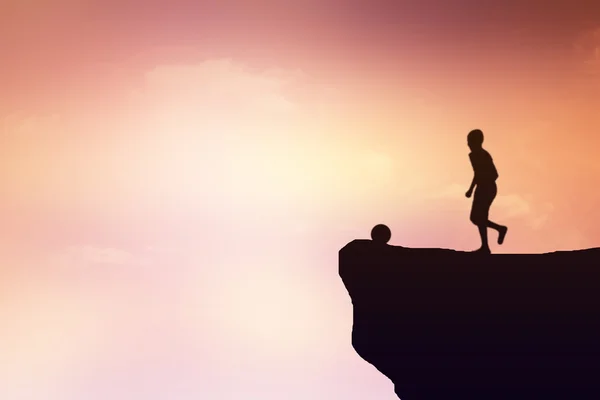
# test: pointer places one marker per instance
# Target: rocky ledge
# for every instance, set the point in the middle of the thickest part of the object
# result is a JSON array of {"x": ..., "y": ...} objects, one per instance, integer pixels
[{"x": 445, "y": 324}]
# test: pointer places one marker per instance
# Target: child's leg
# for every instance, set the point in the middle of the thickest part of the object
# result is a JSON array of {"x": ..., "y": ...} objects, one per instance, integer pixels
[
  {"x": 501, "y": 230},
  {"x": 484, "y": 236},
  {"x": 479, "y": 214},
  {"x": 494, "y": 226}
]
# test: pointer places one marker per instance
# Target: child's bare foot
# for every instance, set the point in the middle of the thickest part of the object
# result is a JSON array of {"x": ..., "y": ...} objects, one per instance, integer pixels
[
  {"x": 502, "y": 234},
  {"x": 483, "y": 250}
]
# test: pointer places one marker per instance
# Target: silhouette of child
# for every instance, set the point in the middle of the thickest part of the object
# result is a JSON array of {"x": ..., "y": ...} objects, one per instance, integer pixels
[{"x": 484, "y": 178}]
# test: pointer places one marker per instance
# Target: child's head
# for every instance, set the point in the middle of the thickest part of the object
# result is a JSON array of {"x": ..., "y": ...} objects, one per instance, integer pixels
[{"x": 475, "y": 139}]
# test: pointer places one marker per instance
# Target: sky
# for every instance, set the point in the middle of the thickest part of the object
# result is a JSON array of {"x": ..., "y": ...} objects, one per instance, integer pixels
[{"x": 178, "y": 177}]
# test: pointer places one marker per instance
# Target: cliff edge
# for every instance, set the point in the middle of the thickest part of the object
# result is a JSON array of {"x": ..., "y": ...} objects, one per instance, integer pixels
[{"x": 445, "y": 324}]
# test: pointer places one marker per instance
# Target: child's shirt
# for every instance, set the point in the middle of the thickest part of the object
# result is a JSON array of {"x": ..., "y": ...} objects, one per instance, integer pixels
[{"x": 483, "y": 166}]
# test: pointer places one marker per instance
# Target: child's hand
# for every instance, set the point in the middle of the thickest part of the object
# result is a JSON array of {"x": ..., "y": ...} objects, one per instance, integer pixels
[{"x": 469, "y": 193}]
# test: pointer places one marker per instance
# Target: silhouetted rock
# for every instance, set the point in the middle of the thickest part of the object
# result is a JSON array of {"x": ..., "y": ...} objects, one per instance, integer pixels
[{"x": 444, "y": 324}]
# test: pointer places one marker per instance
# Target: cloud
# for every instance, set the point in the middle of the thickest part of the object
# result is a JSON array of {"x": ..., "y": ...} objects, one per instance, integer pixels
[
  {"x": 35, "y": 162},
  {"x": 162, "y": 249},
  {"x": 189, "y": 126},
  {"x": 587, "y": 48},
  {"x": 92, "y": 255},
  {"x": 222, "y": 83},
  {"x": 452, "y": 191},
  {"x": 25, "y": 126},
  {"x": 513, "y": 206},
  {"x": 573, "y": 239}
]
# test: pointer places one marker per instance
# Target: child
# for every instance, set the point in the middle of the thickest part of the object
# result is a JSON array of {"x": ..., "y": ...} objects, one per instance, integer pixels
[{"x": 484, "y": 178}]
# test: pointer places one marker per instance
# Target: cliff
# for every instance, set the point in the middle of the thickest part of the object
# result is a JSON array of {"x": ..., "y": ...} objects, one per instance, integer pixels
[{"x": 444, "y": 324}]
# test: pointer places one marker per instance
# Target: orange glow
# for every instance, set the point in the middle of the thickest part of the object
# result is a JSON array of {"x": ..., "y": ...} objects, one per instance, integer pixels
[{"x": 178, "y": 178}]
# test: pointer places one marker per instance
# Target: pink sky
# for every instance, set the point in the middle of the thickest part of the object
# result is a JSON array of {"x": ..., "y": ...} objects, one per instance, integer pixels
[{"x": 177, "y": 177}]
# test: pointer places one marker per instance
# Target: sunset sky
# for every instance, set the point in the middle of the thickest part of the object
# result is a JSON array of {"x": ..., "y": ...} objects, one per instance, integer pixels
[{"x": 177, "y": 177}]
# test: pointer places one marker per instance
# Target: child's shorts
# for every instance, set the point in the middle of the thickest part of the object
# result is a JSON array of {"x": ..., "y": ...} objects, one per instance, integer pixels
[{"x": 482, "y": 200}]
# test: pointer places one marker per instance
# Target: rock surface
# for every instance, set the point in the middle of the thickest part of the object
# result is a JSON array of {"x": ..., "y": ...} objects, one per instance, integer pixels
[{"x": 444, "y": 324}]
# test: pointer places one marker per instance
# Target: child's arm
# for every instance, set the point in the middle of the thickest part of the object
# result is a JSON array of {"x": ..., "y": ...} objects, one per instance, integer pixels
[
  {"x": 474, "y": 181},
  {"x": 470, "y": 191}
]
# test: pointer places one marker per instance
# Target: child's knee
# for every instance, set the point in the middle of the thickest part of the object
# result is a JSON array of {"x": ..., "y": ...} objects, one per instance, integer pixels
[{"x": 476, "y": 219}]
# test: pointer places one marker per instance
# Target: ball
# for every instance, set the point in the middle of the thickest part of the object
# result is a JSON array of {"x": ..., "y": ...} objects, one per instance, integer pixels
[{"x": 381, "y": 234}]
